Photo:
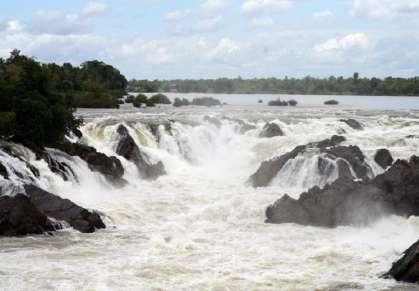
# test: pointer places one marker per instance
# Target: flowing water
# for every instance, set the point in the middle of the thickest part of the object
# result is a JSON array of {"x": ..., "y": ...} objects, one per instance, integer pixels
[{"x": 201, "y": 226}]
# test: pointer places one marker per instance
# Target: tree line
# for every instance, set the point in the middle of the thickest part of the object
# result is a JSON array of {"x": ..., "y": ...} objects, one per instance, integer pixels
[
  {"x": 37, "y": 101},
  {"x": 354, "y": 85}
]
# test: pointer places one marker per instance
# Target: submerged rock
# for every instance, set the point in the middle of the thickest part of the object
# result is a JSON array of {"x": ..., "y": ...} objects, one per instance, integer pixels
[
  {"x": 329, "y": 147},
  {"x": 18, "y": 216},
  {"x": 130, "y": 151},
  {"x": 61, "y": 209},
  {"x": 271, "y": 130},
  {"x": 3, "y": 171},
  {"x": 345, "y": 201},
  {"x": 406, "y": 269},
  {"x": 383, "y": 158},
  {"x": 353, "y": 123}
]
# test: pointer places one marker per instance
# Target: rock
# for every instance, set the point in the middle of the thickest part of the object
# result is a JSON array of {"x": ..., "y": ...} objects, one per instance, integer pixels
[
  {"x": 212, "y": 120},
  {"x": 77, "y": 133},
  {"x": 271, "y": 130},
  {"x": 406, "y": 269},
  {"x": 130, "y": 151},
  {"x": 61, "y": 209},
  {"x": 110, "y": 167},
  {"x": 18, "y": 216},
  {"x": 346, "y": 202},
  {"x": 269, "y": 169},
  {"x": 60, "y": 168},
  {"x": 383, "y": 158},
  {"x": 3, "y": 171},
  {"x": 353, "y": 155},
  {"x": 331, "y": 102},
  {"x": 352, "y": 123}
]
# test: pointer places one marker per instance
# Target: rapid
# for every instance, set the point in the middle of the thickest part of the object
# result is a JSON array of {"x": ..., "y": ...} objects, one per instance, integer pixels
[{"x": 201, "y": 226}]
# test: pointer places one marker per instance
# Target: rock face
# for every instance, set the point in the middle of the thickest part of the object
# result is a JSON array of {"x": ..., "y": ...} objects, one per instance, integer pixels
[
  {"x": 383, "y": 158},
  {"x": 110, "y": 167},
  {"x": 344, "y": 156},
  {"x": 60, "y": 168},
  {"x": 271, "y": 130},
  {"x": 347, "y": 202},
  {"x": 129, "y": 150},
  {"x": 53, "y": 206},
  {"x": 406, "y": 269},
  {"x": 3, "y": 171},
  {"x": 353, "y": 123},
  {"x": 18, "y": 216}
]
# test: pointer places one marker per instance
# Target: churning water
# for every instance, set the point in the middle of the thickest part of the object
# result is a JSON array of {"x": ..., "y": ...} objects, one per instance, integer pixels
[{"x": 201, "y": 227}]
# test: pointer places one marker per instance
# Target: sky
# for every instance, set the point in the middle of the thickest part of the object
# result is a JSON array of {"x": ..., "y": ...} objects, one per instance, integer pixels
[{"x": 170, "y": 39}]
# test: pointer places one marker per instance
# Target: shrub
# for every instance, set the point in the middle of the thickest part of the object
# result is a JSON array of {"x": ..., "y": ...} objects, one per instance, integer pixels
[
  {"x": 331, "y": 102},
  {"x": 159, "y": 99},
  {"x": 181, "y": 102},
  {"x": 292, "y": 102},
  {"x": 206, "y": 101},
  {"x": 140, "y": 99},
  {"x": 278, "y": 102}
]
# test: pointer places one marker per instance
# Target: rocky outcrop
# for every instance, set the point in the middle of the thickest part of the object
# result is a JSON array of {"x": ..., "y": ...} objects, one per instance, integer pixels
[
  {"x": 130, "y": 151},
  {"x": 110, "y": 167},
  {"x": 347, "y": 202},
  {"x": 271, "y": 130},
  {"x": 18, "y": 216},
  {"x": 3, "y": 171},
  {"x": 344, "y": 156},
  {"x": 383, "y": 158},
  {"x": 61, "y": 209},
  {"x": 352, "y": 123},
  {"x": 60, "y": 168},
  {"x": 406, "y": 269}
]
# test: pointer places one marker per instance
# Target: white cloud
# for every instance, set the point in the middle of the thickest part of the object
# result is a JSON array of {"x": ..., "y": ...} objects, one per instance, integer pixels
[
  {"x": 11, "y": 26},
  {"x": 323, "y": 15},
  {"x": 94, "y": 9},
  {"x": 262, "y": 22},
  {"x": 266, "y": 6},
  {"x": 350, "y": 41},
  {"x": 208, "y": 24},
  {"x": 383, "y": 8},
  {"x": 214, "y": 6},
  {"x": 177, "y": 15},
  {"x": 58, "y": 22},
  {"x": 153, "y": 52}
]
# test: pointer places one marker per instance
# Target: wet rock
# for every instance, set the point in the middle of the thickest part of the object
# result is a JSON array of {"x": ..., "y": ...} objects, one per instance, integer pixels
[
  {"x": 18, "y": 216},
  {"x": 110, "y": 167},
  {"x": 77, "y": 133},
  {"x": 383, "y": 158},
  {"x": 353, "y": 155},
  {"x": 60, "y": 168},
  {"x": 130, "y": 151},
  {"x": 270, "y": 168},
  {"x": 287, "y": 210},
  {"x": 331, "y": 102},
  {"x": 3, "y": 171},
  {"x": 271, "y": 130},
  {"x": 353, "y": 123},
  {"x": 346, "y": 201},
  {"x": 61, "y": 209},
  {"x": 406, "y": 269}
]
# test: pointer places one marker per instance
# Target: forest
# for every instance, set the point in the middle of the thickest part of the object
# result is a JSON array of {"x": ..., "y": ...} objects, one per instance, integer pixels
[{"x": 354, "y": 85}]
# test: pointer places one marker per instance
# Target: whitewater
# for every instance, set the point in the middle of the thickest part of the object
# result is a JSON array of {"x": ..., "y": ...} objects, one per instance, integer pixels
[{"x": 201, "y": 226}]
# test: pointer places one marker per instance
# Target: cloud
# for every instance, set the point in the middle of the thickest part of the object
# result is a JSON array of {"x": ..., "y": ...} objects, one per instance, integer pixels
[
  {"x": 208, "y": 24},
  {"x": 177, "y": 15},
  {"x": 211, "y": 7},
  {"x": 262, "y": 22},
  {"x": 11, "y": 26},
  {"x": 350, "y": 41},
  {"x": 93, "y": 9},
  {"x": 266, "y": 6},
  {"x": 153, "y": 52},
  {"x": 383, "y": 8},
  {"x": 323, "y": 15}
]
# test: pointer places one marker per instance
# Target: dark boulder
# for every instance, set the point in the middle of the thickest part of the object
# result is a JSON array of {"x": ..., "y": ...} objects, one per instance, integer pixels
[
  {"x": 346, "y": 201},
  {"x": 353, "y": 155},
  {"x": 331, "y": 102},
  {"x": 352, "y": 123},
  {"x": 3, "y": 171},
  {"x": 383, "y": 158},
  {"x": 110, "y": 167},
  {"x": 271, "y": 130},
  {"x": 270, "y": 168},
  {"x": 130, "y": 151},
  {"x": 60, "y": 168},
  {"x": 77, "y": 133},
  {"x": 61, "y": 209},
  {"x": 287, "y": 210},
  {"x": 18, "y": 216},
  {"x": 406, "y": 269}
]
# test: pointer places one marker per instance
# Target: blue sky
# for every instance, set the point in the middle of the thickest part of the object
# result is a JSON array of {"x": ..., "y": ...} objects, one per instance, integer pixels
[{"x": 220, "y": 38}]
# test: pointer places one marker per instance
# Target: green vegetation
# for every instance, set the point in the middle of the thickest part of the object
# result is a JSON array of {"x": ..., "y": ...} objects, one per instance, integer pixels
[
  {"x": 206, "y": 101},
  {"x": 139, "y": 100},
  {"x": 331, "y": 102},
  {"x": 354, "y": 85},
  {"x": 34, "y": 109},
  {"x": 160, "y": 99},
  {"x": 181, "y": 102}
]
